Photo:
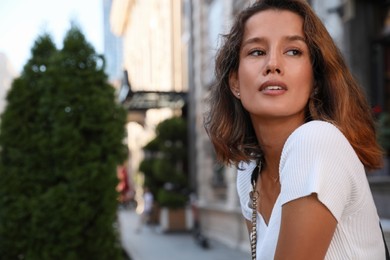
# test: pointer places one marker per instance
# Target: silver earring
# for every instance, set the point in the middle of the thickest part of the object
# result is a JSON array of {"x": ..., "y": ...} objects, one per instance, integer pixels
[
  {"x": 238, "y": 93},
  {"x": 314, "y": 93}
]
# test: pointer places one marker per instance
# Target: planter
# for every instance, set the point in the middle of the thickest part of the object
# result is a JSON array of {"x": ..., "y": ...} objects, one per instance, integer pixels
[{"x": 175, "y": 220}]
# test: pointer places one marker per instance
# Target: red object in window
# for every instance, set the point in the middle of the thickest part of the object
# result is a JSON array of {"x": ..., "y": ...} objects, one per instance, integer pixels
[{"x": 377, "y": 110}]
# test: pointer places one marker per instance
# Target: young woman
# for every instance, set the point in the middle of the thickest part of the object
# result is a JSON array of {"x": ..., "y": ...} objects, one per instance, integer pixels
[{"x": 288, "y": 113}]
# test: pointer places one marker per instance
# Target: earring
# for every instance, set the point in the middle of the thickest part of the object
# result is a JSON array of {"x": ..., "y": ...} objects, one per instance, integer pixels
[
  {"x": 314, "y": 93},
  {"x": 238, "y": 94}
]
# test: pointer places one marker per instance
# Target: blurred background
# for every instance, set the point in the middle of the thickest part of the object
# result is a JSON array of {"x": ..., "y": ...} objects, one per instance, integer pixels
[{"x": 159, "y": 58}]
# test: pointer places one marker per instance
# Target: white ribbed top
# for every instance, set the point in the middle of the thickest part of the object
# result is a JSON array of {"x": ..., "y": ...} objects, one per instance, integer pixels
[{"x": 317, "y": 158}]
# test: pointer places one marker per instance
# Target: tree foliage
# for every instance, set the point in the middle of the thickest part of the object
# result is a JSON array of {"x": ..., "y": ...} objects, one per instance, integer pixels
[{"x": 61, "y": 138}]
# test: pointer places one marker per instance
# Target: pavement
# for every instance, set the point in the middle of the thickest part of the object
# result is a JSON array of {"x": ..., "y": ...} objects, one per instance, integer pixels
[
  {"x": 386, "y": 230},
  {"x": 150, "y": 243}
]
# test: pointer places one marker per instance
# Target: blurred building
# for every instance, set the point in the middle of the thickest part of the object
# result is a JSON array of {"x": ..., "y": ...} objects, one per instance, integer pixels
[
  {"x": 221, "y": 217},
  {"x": 169, "y": 45},
  {"x": 154, "y": 78},
  {"x": 359, "y": 29},
  {"x": 113, "y": 48},
  {"x": 7, "y": 74}
]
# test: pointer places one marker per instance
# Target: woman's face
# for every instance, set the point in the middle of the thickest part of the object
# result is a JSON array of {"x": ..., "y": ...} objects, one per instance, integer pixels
[{"x": 275, "y": 76}]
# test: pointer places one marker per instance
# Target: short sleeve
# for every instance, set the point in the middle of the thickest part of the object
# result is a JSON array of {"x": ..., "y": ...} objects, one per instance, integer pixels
[
  {"x": 317, "y": 158},
  {"x": 244, "y": 187}
]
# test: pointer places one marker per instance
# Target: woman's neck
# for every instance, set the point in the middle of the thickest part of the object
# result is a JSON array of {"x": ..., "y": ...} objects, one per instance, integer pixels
[{"x": 271, "y": 135}]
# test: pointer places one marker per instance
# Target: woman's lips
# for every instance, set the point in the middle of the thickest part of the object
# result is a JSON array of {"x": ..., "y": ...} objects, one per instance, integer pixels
[{"x": 273, "y": 88}]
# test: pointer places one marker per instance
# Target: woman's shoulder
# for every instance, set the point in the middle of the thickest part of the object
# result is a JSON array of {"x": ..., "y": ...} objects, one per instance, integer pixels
[
  {"x": 317, "y": 158},
  {"x": 244, "y": 172},
  {"x": 246, "y": 167},
  {"x": 244, "y": 186},
  {"x": 318, "y": 139},
  {"x": 316, "y": 133},
  {"x": 316, "y": 128}
]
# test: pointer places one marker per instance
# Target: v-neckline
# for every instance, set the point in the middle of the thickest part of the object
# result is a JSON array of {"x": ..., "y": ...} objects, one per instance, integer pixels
[
  {"x": 259, "y": 181},
  {"x": 260, "y": 216}
]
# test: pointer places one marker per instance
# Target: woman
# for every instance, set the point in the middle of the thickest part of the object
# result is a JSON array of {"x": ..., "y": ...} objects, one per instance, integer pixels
[{"x": 287, "y": 112}]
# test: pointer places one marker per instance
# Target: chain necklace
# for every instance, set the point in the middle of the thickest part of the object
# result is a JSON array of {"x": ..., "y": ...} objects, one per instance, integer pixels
[{"x": 254, "y": 196}]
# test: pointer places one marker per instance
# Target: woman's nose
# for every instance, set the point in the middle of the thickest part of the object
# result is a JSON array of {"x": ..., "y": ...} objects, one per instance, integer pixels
[{"x": 273, "y": 65}]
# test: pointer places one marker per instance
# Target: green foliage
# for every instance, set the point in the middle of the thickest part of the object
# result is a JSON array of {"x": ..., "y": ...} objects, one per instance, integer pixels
[
  {"x": 165, "y": 164},
  {"x": 153, "y": 146},
  {"x": 173, "y": 129},
  {"x": 171, "y": 199},
  {"x": 61, "y": 140}
]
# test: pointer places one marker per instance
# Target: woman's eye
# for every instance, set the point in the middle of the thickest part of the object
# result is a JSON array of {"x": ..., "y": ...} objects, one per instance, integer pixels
[
  {"x": 294, "y": 52},
  {"x": 256, "y": 53}
]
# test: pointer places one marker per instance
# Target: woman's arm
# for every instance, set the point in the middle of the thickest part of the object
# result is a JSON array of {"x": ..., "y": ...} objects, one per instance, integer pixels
[{"x": 307, "y": 228}]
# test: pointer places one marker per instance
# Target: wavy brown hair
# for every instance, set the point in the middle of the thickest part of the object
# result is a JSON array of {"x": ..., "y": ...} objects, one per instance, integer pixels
[{"x": 339, "y": 99}]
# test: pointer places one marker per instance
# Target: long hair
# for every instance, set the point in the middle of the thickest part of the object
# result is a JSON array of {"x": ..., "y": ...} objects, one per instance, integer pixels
[{"x": 338, "y": 99}]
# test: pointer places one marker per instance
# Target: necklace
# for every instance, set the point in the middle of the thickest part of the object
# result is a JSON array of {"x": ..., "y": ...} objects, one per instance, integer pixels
[
  {"x": 254, "y": 200},
  {"x": 254, "y": 196}
]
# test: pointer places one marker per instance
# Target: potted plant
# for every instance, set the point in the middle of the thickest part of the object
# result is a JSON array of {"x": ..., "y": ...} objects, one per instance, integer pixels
[{"x": 165, "y": 170}]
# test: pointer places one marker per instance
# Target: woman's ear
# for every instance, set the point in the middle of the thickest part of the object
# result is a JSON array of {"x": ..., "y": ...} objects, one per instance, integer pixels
[{"x": 234, "y": 86}]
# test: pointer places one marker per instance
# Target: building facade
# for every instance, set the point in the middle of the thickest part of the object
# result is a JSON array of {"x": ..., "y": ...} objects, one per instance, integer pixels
[
  {"x": 170, "y": 45},
  {"x": 113, "y": 48},
  {"x": 154, "y": 79},
  {"x": 220, "y": 211}
]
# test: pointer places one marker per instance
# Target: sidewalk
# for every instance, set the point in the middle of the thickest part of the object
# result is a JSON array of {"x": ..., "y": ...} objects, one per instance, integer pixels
[
  {"x": 386, "y": 230},
  {"x": 151, "y": 244}
]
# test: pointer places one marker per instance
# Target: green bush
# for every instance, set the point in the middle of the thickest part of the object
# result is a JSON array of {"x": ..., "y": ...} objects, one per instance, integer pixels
[
  {"x": 61, "y": 139},
  {"x": 165, "y": 164},
  {"x": 171, "y": 199}
]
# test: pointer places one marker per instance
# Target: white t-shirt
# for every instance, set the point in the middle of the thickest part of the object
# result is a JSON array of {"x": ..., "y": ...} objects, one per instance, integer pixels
[{"x": 317, "y": 158}]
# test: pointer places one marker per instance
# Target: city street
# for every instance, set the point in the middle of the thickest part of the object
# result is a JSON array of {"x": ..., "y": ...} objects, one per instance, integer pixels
[{"x": 150, "y": 243}]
